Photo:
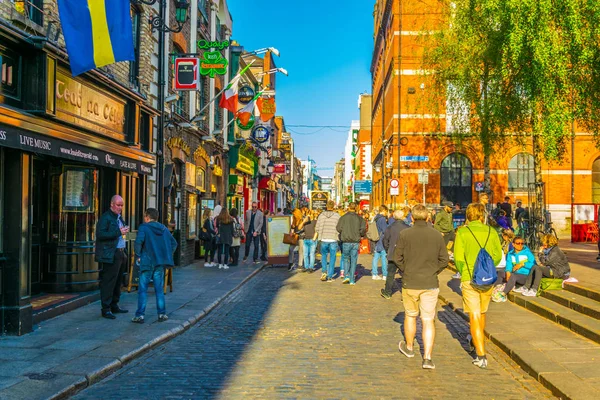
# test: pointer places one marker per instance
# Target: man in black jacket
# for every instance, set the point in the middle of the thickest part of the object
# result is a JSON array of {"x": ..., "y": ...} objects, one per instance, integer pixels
[
  {"x": 352, "y": 229},
  {"x": 420, "y": 255},
  {"x": 390, "y": 238},
  {"x": 112, "y": 256}
]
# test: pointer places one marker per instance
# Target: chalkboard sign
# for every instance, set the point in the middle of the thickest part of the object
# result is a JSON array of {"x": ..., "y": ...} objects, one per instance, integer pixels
[
  {"x": 318, "y": 200},
  {"x": 277, "y": 250}
]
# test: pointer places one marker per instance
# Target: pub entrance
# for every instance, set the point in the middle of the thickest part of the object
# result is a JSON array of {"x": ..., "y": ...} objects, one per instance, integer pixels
[{"x": 39, "y": 223}]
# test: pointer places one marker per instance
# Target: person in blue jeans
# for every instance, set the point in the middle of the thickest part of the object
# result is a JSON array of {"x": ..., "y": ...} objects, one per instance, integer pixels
[
  {"x": 328, "y": 235},
  {"x": 154, "y": 248},
  {"x": 310, "y": 244},
  {"x": 352, "y": 229},
  {"x": 380, "y": 253}
]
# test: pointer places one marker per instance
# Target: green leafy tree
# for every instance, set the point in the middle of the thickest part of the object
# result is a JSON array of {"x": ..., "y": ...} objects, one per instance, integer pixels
[{"x": 517, "y": 68}]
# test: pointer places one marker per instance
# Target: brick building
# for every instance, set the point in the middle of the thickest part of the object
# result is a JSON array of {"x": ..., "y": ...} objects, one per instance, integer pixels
[{"x": 409, "y": 136}]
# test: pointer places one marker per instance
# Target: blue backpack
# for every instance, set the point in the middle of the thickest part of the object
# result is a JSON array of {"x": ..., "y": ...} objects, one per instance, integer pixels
[{"x": 484, "y": 273}]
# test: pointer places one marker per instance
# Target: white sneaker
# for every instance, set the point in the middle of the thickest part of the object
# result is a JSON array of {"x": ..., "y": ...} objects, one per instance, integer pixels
[
  {"x": 375, "y": 277},
  {"x": 522, "y": 289},
  {"x": 225, "y": 266},
  {"x": 221, "y": 266},
  {"x": 530, "y": 293},
  {"x": 209, "y": 265}
]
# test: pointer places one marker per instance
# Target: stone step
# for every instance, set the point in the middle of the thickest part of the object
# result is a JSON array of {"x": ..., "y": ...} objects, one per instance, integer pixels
[
  {"x": 557, "y": 357},
  {"x": 576, "y": 302},
  {"x": 586, "y": 289},
  {"x": 581, "y": 324}
]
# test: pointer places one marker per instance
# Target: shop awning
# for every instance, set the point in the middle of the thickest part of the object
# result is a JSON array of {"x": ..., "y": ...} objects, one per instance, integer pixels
[{"x": 267, "y": 183}]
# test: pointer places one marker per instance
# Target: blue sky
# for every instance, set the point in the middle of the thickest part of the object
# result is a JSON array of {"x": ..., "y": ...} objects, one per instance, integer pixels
[{"x": 326, "y": 47}]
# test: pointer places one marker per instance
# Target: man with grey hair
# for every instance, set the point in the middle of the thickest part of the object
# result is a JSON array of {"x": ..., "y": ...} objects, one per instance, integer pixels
[
  {"x": 420, "y": 255},
  {"x": 390, "y": 237}
]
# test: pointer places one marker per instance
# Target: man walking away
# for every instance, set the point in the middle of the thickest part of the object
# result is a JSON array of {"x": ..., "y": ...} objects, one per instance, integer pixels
[
  {"x": 443, "y": 223},
  {"x": 420, "y": 255},
  {"x": 390, "y": 238},
  {"x": 112, "y": 256},
  {"x": 154, "y": 248},
  {"x": 253, "y": 227},
  {"x": 380, "y": 254},
  {"x": 466, "y": 249},
  {"x": 327, "y": 232},
  {"x": 352, "y": 229},
  {"x": 508, "y": 210}
]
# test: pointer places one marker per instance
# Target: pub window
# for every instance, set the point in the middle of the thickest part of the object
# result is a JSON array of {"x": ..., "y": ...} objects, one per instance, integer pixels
[
  {"x": 32, "y": 9},
  {"x": 74, "y": 203},
  {"x": 520, "y": 172},
  {"x": 144, "y": 131},
  {"x": 134, "y": 65},
  {"x": 192, "y": 216},
  {"x": 10, "y": 67},
  {"x": 203, "y": 7}
]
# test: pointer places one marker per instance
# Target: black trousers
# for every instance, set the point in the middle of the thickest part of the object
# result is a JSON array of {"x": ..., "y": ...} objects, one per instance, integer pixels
[
  {"x": 263, "y": 246},
  {"x": 235, "y": 255},
  {"x": 390, "y": 278},
  {"x": 223, "y": 249},
  {"x": 110, "y": 281},
  {"x": 513, "y": 280},
  {"x": 252, "y": 239},
  {"x": 535, "y": 276}
]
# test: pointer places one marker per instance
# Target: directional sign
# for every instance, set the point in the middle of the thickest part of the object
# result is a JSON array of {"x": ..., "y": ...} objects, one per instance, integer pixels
[
  {"x": 414, "y": 158},
  {"x": 424, "y": 178},
  {"x": 363, "y": 187}
]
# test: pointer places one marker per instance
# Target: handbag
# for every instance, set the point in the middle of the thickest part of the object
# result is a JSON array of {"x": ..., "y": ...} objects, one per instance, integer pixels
[{"x": 290, "y": 238}]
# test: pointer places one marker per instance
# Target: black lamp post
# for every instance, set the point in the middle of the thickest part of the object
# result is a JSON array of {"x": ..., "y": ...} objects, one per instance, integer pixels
[{"x": 159, "y": 24}]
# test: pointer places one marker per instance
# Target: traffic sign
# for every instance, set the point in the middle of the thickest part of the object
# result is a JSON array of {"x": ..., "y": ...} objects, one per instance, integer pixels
[
  {"x": 394, "y": 191},
  {"x": 394, "y": 183},
  {"x": 424, "y": 178},
  {"x": 479, "y": 186}
]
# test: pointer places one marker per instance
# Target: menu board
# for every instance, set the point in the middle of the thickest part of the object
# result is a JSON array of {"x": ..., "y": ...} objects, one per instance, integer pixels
[
  {"x": 276, "y": 228},
  {"x": 78, "y": 189},
  {"x": 318, "y": 200}
]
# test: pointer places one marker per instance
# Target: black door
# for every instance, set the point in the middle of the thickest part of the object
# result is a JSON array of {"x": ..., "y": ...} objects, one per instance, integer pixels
[
  {"x": 456, "y": 179},
  {"x": 39, "y": 222}
]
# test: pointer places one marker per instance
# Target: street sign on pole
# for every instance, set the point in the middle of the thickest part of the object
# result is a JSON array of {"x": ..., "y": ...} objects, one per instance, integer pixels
[
  {"x": 394, "y": 191},
  {"x": 394, "y": 183},
  {"x": 424, "y": 179}
]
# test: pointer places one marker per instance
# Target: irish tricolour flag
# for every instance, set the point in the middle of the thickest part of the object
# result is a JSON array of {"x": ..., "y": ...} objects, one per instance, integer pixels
[{"x": 229, "y": 98}]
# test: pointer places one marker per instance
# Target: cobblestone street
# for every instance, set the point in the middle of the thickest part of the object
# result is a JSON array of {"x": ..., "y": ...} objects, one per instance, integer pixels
[{"x": 292, "y": 336}]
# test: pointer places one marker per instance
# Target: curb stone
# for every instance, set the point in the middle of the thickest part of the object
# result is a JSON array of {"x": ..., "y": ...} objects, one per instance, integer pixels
[
  {"x": 101, "y": 373},
  {"x": 543, "y": 378}
]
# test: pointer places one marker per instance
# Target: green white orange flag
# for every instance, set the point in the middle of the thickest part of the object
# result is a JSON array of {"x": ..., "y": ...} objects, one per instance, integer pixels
[
  {"x": 246, "y": 113},
  {"x": 229, "y": 98}
]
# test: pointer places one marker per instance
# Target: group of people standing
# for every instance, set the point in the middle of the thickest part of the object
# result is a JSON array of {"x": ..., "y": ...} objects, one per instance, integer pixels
[{"x": 222, "y": 234}]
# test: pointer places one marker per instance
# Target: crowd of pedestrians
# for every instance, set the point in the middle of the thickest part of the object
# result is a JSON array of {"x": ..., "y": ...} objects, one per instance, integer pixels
[{"x": 412, "y": 241}]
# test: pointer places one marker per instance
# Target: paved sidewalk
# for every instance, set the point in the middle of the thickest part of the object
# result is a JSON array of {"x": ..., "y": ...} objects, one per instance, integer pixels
[{"x": 77, "y": 349}]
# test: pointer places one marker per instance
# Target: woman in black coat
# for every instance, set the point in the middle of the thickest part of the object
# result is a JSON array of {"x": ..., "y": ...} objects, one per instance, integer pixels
[
  {"x": 224, "y": 237},
  {"x": 209, "y": 242}
]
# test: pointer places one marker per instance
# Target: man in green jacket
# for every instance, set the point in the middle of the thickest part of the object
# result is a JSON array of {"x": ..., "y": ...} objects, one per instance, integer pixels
[
  {"x": 443, "y": 222},
  {"x": 469, "y": 240}
]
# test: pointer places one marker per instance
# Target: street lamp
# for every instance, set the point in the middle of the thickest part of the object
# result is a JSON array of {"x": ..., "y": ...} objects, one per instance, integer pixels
[{"x": 159, "y": 24}]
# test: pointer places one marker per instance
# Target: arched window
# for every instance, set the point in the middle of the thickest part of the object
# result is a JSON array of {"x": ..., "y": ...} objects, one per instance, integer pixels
[{"x": 520, "y": 172}]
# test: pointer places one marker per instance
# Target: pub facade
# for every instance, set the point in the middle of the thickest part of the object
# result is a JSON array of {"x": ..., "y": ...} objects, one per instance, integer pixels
[{"x": 67, "y": 145}]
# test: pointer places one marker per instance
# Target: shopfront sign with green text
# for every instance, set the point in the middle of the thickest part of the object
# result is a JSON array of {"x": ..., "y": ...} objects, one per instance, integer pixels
[{"x": 245, "y": 165}]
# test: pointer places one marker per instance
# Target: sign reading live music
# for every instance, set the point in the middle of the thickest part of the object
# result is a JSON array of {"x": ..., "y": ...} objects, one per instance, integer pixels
[{"x": 40, "y": 144}]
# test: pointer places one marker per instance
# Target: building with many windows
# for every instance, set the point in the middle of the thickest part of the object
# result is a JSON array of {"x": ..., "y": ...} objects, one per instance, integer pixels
[{"x": 410, "y": 137}]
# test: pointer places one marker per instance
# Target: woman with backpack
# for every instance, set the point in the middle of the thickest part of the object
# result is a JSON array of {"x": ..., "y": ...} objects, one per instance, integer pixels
[
  {"x": 238, "y": 234},
  {"x": 208, "y": 237},
  {"x": 224, "y": 237}
]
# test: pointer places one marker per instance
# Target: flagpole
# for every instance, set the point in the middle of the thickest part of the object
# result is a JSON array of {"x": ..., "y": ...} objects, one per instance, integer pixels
[{"x": 218, "y": 94}]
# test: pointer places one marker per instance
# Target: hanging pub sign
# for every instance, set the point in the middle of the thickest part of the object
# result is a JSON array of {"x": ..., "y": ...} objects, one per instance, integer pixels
[
  {"x": 245, "y": 95},
  {"x": 187, "y": 75},
  {"x": 248, "y": 126},
  {"x": 213, "y": 63},
  {"x": 260, "y": 134},
  {"x": 280, "y": 169},
  {"x": 206, "y": 45},
  {"x": 266, "y": 107}
]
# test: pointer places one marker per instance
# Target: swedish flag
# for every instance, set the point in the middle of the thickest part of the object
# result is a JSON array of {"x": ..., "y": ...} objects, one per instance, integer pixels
[{"x": 97, "y": 32}]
